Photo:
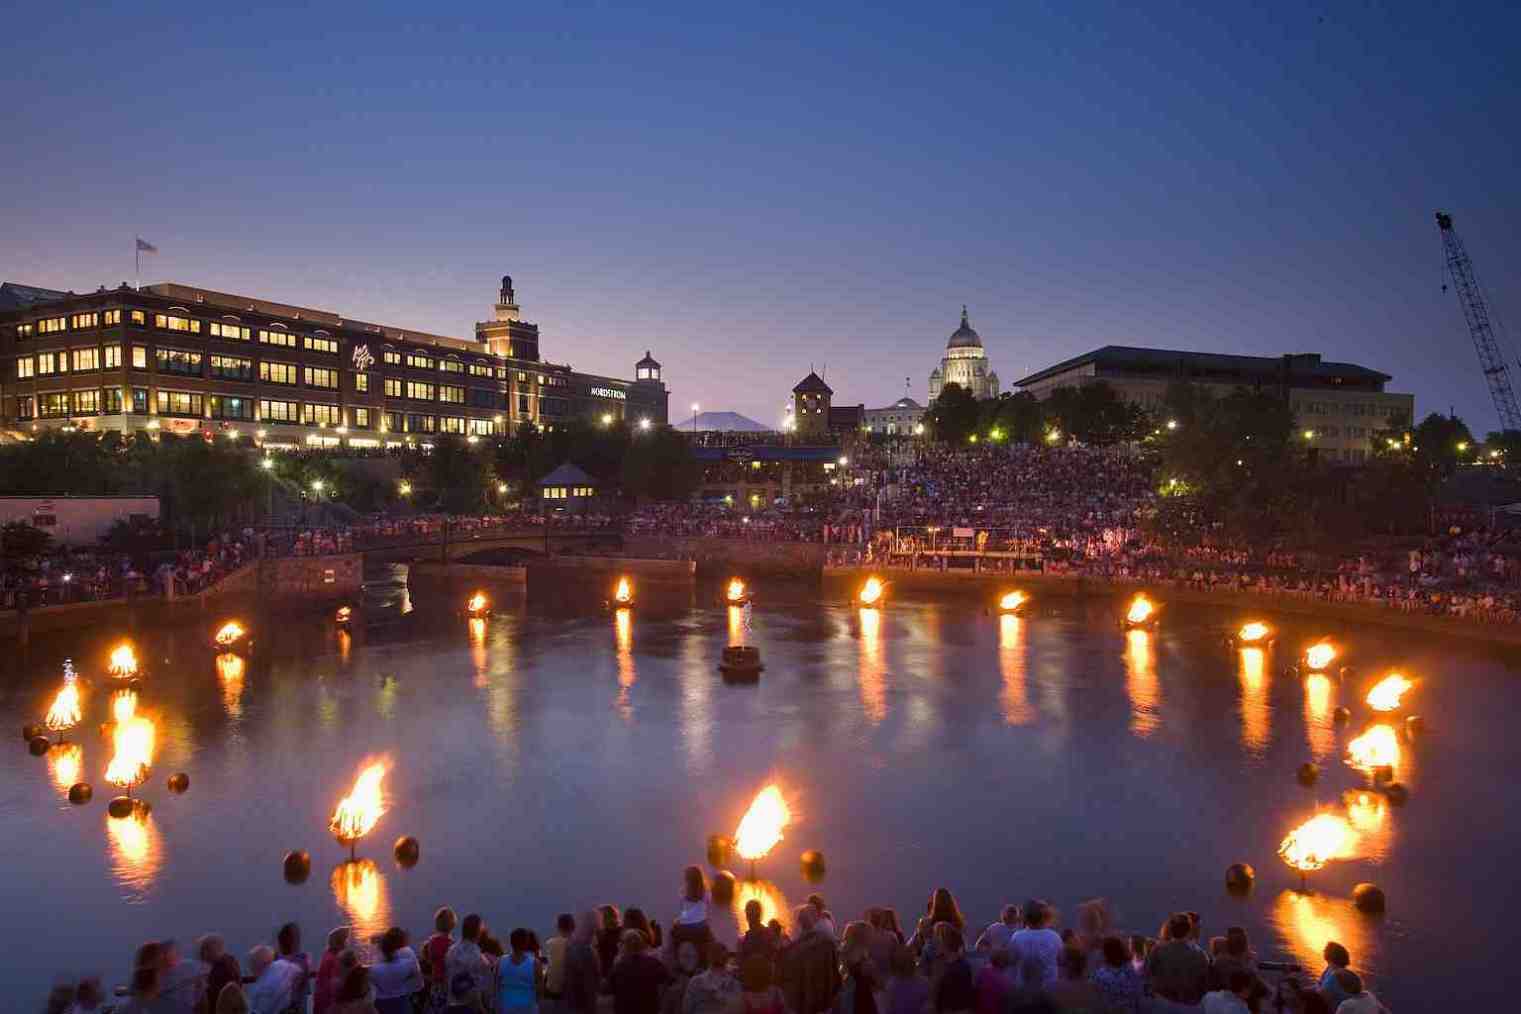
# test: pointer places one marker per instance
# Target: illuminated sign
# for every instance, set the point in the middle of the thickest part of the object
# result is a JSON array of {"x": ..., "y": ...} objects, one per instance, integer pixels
[
  {"x": 609, "y": 392},
  {"x": 362, "y": 358}
]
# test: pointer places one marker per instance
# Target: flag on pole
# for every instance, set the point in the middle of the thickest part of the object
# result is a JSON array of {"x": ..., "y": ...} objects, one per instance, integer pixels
[{"x": 143, "y": 246}]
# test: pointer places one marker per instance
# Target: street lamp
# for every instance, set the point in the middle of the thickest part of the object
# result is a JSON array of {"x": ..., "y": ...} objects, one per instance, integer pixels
[
  {"x": 1309, "y": 434},
  {"x": 695, "y": 407},
  {"x": 404, "y": 488},
  {"x": 607, "y": 418},
  {"x": 644, "y": 424},
  {"x": 1172, "y": 424},
  {"x": 844, "y": 461},
  {"x": 267, "y": 464},
  {"x": 317, "y": 485}
]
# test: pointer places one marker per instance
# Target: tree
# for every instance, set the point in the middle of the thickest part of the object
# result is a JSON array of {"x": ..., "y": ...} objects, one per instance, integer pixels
[
  {"x": 953, "y": 416},
  {"x": 1018, "y": 417},
  {"x": 1441, "y": 442},
  {"x": 660, "y": 465},
  {"x": 458, "y": 475},
  {"x": 19, "y": 539},
  {"x": 1095, "y": 414},
  {"x": 1506, "y": 442}
]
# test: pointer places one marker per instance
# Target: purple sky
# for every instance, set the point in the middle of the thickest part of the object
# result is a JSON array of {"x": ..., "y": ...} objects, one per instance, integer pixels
[{"x": 746, "y": 190}]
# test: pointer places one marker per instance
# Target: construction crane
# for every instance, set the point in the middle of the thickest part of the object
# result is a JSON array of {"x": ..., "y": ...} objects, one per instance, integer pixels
[{"x": 1480, "y": 325}]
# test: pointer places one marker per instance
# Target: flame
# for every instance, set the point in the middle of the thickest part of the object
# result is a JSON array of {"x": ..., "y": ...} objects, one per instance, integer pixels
[
  {"x": 1366, "y": 810},
  {"x": 1317, "y": 714},
  {"x": 871, "y": 591},
  {"x": 1319, "y": 655},
  {"x": 123, "y": 706},
  {"x": 344, "y": 614},
  {"x": 477, "y": 603},
  {"x": 133, "y": 741},
  {"x": 1140, "y": 610},
  {"x": 360, "y": 890},
  {"x": 736, "y": 590},
  {"x": 1374, "y": 748},
  {"x": 1011, "y": 601},
  {"x": 1386, "y": 693},
  {"x": 1251, "y": 633},
  {"x": 123, "y": 663},
  {"x": 1141, "y": 683},
  {"x": 773, "y": 902},
  {"x": 232, "y": 631},
  {"x": 761, "y": 829},
  {"x": 624, "y": 592},
  {"x": 1256, "y": 709},
  {"x": 65, "y": 712},
  {"x": 360, "y": 810},
  {"x": 1318, "y": 841},
  {"x": 66, "y": 761}
]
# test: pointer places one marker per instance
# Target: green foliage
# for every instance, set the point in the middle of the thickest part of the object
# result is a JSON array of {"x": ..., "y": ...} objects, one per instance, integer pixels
[
  {"x": 529, "y": 455},
  {"x": 1095, "y": 414},
  {"x": 1018, "y": 417},
  {"x": 19, "y": 539},
  {"x": 659, "y": 465},
  {"x": 952, "y": 418},
  {"x": 459, "y": 475}
]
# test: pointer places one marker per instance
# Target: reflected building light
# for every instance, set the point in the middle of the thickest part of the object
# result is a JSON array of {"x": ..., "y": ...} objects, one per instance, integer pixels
[
  {"x": 1256, "y": 710},
  {"x": 871, "y": 675},
  {"x": 1141, "y": 683},
  {"x": 359, "y": 888},
  {"x": 1319, "y": 693},
  {"x": 1011, "y": 663},
  {"x": 136, "y": 852},
  {"x": 623, "y": 640}
]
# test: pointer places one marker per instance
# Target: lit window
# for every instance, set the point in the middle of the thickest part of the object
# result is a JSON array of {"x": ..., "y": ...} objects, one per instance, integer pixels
[
  {"x": 393, "y": 387},
  {"x": 25, "y": 330},
  {"x": 81, "y": 321},
  {"x": 26, "y": 408},
  {"x": 322, "y": 415},
  {"x": 26, "y": 366},
  {"x": 451, "y": 424},
  {"x": 231, "y": 368},
  {"x": 52, "y": 325},
  {"x": 139, "y": 357},
  {"x": 87, "y": 402},
  {"x": 111, "y": 317},
  {"x": 318, "y": 377},
  {"x": 181, "y": 403},
  {"x": 480, "y": 427},
  {"x": 419, "y": 362},
  {"x": 418, "y": 391},
  {"x": 52, "y": 362},
  {"x": 479, "y": 370},
  {"x": 86, "y": 359},
  {"x": 187, "y": 364},
  {"x": 361, "y": 381},
  {"x": 453, "y": 395},
  {"x": 233, "y": 332},
  {"x": 111, "y": 357},
  {"x": 53, "y": 405},
  {"x": 168, "y": 322},
  {"x": 316, "y": 344},
  {"x": 279, "y": 411},
  {"x": 138, "y": 317},
  {"x": 284, "y": 339},
  {"x": 391, "y": 357},
  {"x": 362, "y": 418},
  {"x": 277, "y": 373},
  {"x": 111, "y": 401},
  {"x": 451, "y": 366}
]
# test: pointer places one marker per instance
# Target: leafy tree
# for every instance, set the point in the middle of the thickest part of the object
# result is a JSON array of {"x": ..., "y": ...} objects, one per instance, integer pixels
[
  {"x": 19, "y": 539},
  {"x": 458, "y": 475},
  {"x": 660, "y": 465},
  {"x": 1440, "y": 443},
  {"x": 1095, "y": 414},
  {"x": 1018, "y": 416},
  {"x": 1507, "y": 442},
  {"x": 952, "y": 418}
]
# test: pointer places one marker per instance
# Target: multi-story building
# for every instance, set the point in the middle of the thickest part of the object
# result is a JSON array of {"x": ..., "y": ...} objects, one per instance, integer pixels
[
  {"x": 175, "y": 358},
  {"x": 904, "y": 417},
  {"x": 1338, "y": 407}
]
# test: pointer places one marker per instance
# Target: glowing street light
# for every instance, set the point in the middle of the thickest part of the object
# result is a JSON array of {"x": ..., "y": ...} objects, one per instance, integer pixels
[
  {"x": 267, "y": 464},
  {"x": 644, "y": 424},
  {"x": 317, "y": 485},
  {"x": 607, "y": 418},
  {"x": 1309, "y": 434},
  {"x": 844, "y": 461},
  {"x": 1462, "y": 446},
  {"x": 404, "y": 488},
  {"x": 1172, "y": 424},
  {"x": 1053, "y": 436}
]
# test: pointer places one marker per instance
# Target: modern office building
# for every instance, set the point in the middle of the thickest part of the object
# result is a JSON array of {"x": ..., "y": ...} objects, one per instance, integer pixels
[
  {"x": 1341, "y": 406},
  {"x": 176, "y": 358}
]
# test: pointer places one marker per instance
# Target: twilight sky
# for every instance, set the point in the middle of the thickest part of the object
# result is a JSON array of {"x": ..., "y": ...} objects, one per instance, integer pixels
[{"x": 747, "y": 189}]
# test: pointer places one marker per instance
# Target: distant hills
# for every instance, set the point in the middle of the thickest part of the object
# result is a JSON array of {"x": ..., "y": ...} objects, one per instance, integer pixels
[{"x": 721, "y": 422}]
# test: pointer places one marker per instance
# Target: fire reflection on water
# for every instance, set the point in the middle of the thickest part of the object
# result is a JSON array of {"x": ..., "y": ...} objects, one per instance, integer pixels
[
  {"x": 1141, "y": 683},
  {"x": 478, "y": 650},
  {"x": 137, "y": 852},
  {"x": 1256, "y": 711},
  {"x": 1011, "y": 664},
  {"x": 64, "y": 763},
  {"x": 359, "y": 887},
  {"x": 873, "y": 674},
  {"x": 230, "y": 669},
  {"x": 1318, "y": 694},
  {"x": 736, "y": 624},
  {"x": 1307, "y": 921},
  {"x": 623, "y": 639}
]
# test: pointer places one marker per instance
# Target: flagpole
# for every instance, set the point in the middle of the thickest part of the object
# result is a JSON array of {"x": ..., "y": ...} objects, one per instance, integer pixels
[{"x": 137, "y": 265}]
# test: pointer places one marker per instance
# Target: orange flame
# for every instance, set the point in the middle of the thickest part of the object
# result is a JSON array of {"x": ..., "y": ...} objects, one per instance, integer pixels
[
  {"x": 1140, "y": 610},
  {"x": 133, "y": 740},
  {"x": 123, "y": 664},
  {"x": 1386, "y": 693},
  {"x": 232, "y": 631},
  {"x": 624, "y": 592},
  {"x": 123, "y": 706},
  {"x": 66, "y": 760},
  {"x": 1375, "y": 748},
  {"x": 1366, "y": 810},
  {"x": 1319, "y": 655},
  {"x": 344, "y": 614},
  {"x": 360, "y": 890},
  {"x": 1251, "y": 633},
  {"x": 1317, "y": 841},
  {"x": 477, "y": 604},
  {"x": 762, "y": 826},
  {"x": 1011, "y": 601},
  {"x": 65, "y": 711},
  {"x": 736, "y": 590},
  {"x": 359, "y": 811},
  {"x": 872, "y": 590}
]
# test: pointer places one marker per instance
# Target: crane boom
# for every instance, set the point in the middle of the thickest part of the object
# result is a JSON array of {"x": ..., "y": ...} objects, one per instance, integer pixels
[{"x": 1480, "y": 326}]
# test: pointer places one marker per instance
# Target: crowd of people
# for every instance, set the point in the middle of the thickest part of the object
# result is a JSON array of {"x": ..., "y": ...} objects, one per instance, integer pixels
[
  {"x": 603, "y": 961},
  {"x": 68, "y": 575}
]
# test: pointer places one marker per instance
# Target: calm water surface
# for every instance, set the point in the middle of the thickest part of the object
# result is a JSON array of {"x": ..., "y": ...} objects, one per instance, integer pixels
[{"x": 554, "y": 758}]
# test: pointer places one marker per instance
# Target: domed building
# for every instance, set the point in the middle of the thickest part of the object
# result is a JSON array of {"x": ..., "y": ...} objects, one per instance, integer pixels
[{"x": 965, "y": 363}]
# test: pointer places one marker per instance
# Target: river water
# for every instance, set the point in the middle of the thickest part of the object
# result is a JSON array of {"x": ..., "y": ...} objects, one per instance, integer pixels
[{"x": 555, "y": 757}]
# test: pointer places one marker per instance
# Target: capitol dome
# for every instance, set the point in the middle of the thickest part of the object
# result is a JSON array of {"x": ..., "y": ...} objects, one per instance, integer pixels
[{"x": 964, "y": 337}]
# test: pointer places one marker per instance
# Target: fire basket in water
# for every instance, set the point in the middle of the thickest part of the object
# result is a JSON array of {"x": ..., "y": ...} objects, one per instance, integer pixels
[
  {"x": 623, "y": 594},
  {"x": 65, "y": 711},
  {"x": 123, "y": 663},
  {"x": 478, "y": 604},
  {"x": 1378, "y": 747},
  {"x": 231, "y": 636},
  {"x": 1316, "y": 842},
  {"x": 872, "y": 592},
  {"x": 1254, "y": 632},
  {"x": 1386, "y": 693},
  {"x": 1141, "y": 615},
  {"x": 1319, "y": 656},
  {"x": 1012, "y": 602},
  {"x": 359, "y": 811},
  {"x": 133, "y": 756},
  {"x": 736, "y": 594},
  {"x": 761, "y": 828}
]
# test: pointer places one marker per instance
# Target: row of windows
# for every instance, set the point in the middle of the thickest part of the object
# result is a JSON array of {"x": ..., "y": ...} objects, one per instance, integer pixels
[{"x": 565, "y": 492}]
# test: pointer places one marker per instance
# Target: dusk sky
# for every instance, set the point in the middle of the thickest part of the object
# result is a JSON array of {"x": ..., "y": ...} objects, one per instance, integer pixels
[{"x": 749, "y": 190}]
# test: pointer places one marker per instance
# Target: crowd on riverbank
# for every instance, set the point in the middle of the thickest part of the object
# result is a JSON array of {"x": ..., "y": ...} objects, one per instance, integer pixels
[
  {"x": 604, "y": 960},
  {"x": 69, "y": 575}
]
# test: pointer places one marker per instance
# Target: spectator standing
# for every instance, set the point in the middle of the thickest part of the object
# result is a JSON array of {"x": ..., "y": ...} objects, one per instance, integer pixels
[
  {"x": 637, "y": 977},
  {"x": 810, "y": 967},
  {"x": 1035, "y": 949},
  {"x": 397, "y": 976},
  {"x": 1178, "y": 969}
]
